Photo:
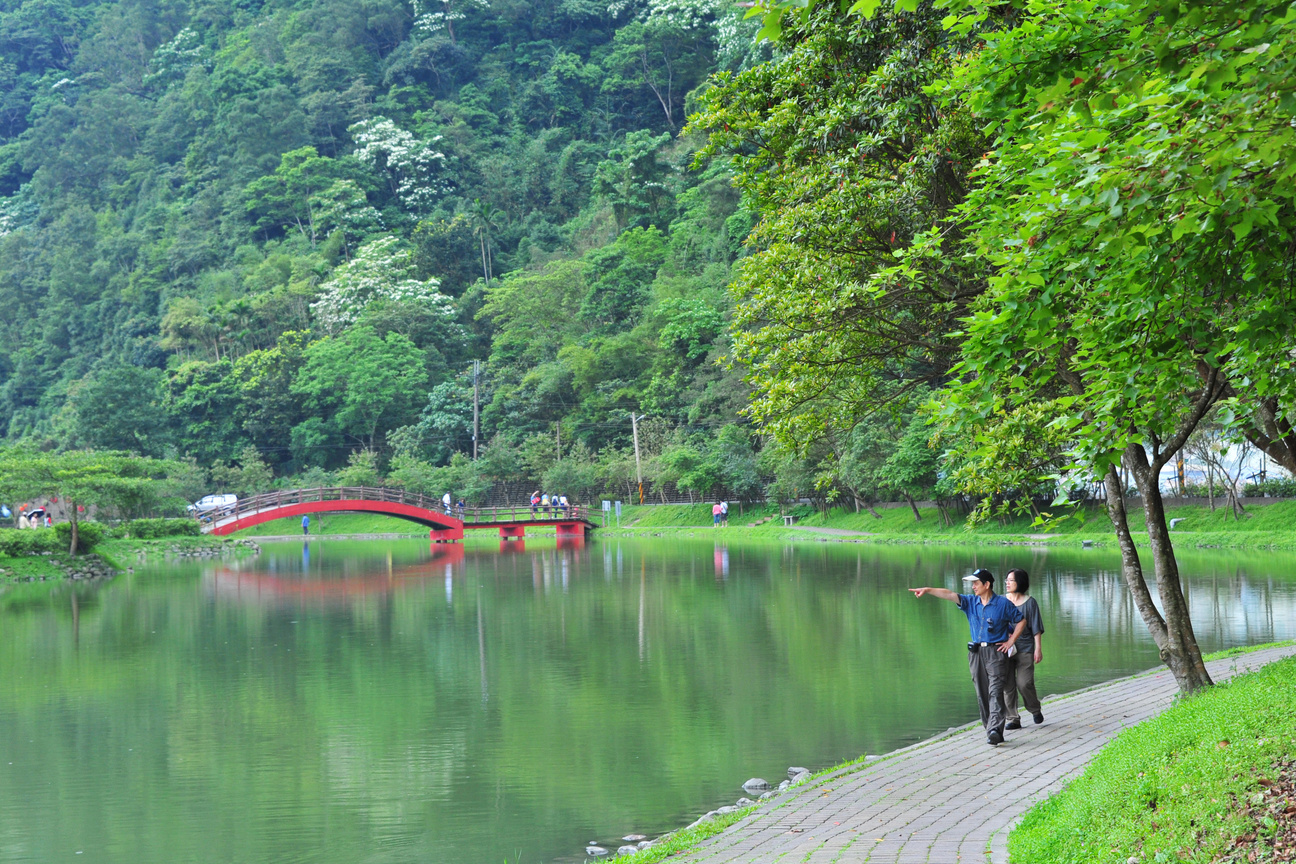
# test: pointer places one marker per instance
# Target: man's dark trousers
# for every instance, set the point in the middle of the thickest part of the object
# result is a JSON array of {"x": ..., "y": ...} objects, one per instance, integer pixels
[{"x": 988, "y": 668}]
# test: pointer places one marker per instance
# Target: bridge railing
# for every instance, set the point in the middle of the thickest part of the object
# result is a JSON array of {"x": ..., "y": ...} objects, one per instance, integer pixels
[
  {"x": 392, "y": 495},
  {"x": 552, "y": 513}
]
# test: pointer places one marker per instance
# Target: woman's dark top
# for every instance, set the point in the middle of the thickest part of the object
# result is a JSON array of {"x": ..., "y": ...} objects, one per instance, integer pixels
[{"x": 1034, "y": 623}]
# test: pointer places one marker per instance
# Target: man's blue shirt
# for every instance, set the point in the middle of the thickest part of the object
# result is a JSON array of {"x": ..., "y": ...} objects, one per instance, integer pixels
[{"x": 989, "y": 622}]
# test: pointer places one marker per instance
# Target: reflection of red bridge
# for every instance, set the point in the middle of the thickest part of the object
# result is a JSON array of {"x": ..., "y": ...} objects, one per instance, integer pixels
[
  {"x": 511, "y": 521},
  {"x": 253, "y": 584}
]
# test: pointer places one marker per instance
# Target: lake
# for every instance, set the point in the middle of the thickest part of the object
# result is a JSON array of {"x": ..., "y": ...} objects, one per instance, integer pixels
[{"x": 389, "y": 702}]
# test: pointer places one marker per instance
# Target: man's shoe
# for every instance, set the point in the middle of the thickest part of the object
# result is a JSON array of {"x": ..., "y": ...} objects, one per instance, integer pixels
[
  {"x": 1038, "y": 718},
  {"x": 1013, "y": 724},
  {"x": 996, "y": 738}
]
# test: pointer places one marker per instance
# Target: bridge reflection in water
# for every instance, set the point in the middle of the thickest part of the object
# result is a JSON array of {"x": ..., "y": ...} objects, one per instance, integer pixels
[
  {"x": 253, "y": 581},
  {"x": 444, "y": 524}
]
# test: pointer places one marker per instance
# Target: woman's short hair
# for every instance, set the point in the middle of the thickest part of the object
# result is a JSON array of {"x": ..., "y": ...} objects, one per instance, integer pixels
[{"x": 1022, "y": 578}]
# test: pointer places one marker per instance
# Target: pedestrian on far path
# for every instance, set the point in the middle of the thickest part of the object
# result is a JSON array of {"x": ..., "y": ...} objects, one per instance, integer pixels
[
  {"x": 724, "y": 514},
  {"x": 1030, "y": 650},
  {"x": 306, "y": 526},
  {"x": 990, "y": 618},
  {"x": 715, "y": 515}
]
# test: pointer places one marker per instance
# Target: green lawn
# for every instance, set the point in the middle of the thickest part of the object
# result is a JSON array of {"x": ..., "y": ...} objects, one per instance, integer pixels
[
  {"x": 29, "y": 567},
  {"x": 1261, "y": 525},
  {"x": 1171, "y": 788},
  {"x": 337, "y": 523},
  {"x": 1267, "y": 525}
]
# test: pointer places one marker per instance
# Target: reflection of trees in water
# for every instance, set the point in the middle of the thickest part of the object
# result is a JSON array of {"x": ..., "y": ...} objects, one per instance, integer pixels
[
  {"x": 1228, "y": 606},
  {"x": 420, "y": 705}
]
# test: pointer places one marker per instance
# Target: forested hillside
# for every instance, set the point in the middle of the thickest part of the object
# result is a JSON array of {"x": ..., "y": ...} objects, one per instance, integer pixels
[{"x": 282, "y": 232}]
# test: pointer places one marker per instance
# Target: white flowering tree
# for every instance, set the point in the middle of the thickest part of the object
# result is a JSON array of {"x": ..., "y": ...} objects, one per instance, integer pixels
[
  {"x": 410, "y": 166},
  {"x": 344, "y": 207},
  {"x": 171, "y": 60},
  {"x": 380, "y": 271},
  {"x": 433, "y": 16}
]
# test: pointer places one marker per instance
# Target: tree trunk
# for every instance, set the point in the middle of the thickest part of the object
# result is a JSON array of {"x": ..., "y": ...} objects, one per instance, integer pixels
[
  {"x": 72, "y": 517},
  {"x": 913, "y": 505},
  {"x": 1178, "y": 643}
]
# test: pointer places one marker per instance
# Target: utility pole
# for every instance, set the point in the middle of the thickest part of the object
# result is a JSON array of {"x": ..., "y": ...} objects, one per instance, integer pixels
[
  {"x": 476, "y": 405},
  {"x": 558, "y": 438},
  {"x": 634, "y": 428}
]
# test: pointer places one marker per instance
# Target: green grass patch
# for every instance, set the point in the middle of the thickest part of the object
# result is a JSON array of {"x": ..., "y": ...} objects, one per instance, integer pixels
[
  {"x": 1263, "y": 526},
  {"x": 686, "y": 838},
  {"x": 336, "y": 523},
  {"x": 688, "y": 515},
  {"x": 1239, "y": 650},
  {"x": 1168, "y": 789},
  {"x": 26, "y": 568}
]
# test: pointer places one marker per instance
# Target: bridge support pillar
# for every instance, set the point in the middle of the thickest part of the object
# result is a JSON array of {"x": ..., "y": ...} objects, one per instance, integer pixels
[
  {"x": 446, "y": 535},
  {"x": 570, "y": 529},
  {"x": 508, "y": 532}
]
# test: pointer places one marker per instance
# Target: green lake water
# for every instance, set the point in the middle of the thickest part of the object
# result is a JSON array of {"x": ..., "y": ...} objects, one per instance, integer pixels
[{"x": 384, "y": 702}]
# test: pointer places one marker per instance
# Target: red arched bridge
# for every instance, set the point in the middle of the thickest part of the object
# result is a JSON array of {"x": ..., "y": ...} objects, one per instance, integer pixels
[{"x": 510, "y": 521}]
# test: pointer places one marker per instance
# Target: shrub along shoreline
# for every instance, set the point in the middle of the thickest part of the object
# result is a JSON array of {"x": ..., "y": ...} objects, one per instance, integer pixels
[{"x": 41, "y": 554}]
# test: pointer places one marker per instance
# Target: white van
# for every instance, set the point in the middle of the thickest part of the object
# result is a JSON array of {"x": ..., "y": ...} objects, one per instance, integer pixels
[{"x": 213, "y": 505}]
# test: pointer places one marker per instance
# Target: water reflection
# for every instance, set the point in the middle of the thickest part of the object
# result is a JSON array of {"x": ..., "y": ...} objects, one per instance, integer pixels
[{"x": 395, "y": 702}]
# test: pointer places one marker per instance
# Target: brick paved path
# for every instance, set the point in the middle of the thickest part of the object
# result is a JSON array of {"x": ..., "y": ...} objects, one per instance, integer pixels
[{"x": 931, "y": 802}]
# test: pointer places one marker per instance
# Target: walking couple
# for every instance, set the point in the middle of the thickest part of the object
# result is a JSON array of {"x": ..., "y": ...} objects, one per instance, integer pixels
[{"x": 1007, "y": 637}]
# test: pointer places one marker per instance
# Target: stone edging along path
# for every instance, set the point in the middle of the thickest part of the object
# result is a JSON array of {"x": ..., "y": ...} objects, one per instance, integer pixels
[{"x": 943, "y": 800}]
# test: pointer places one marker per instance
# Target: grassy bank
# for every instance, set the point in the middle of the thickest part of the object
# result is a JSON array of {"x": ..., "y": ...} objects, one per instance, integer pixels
[
  {"x": 1262, "y": 526},
  {"x": 114, "y": 555},
  {"x": 1182, "y": 786},
  {"x": 1269, "y": 525},
  {"x": 336, "y": 523}
]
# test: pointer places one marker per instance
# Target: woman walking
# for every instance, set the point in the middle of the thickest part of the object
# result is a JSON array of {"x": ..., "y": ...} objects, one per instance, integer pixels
[{"x": 1021, "y": 665}]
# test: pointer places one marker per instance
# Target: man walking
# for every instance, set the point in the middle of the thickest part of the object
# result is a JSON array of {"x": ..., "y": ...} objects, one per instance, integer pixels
[
  {"x": 306, "y": 526},
  {"x": 990, "y": 617}
]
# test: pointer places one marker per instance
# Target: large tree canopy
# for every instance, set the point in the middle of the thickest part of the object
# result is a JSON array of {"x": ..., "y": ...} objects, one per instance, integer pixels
[{"x": 849, "y": 159}]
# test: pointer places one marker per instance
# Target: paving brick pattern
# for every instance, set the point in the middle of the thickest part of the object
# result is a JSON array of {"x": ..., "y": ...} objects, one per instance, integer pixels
[{"x": 951, "y": 798}]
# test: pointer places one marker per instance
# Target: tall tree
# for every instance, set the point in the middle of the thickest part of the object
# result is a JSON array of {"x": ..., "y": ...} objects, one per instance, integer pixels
[
  {"x": 1137, "y": 210},
  {"x": 80, "y": 478},
  {"x": 856, "y": 170}
]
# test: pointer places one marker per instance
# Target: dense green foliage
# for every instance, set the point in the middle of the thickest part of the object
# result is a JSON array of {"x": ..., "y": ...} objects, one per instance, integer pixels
[
  {"x": 270, "y": 241},
  {"x": 38, "y": 541},
  {"x": 282, "y": 225},
  {"x": 151, "y": 529},
  {"x": 1171, "y": 788}
]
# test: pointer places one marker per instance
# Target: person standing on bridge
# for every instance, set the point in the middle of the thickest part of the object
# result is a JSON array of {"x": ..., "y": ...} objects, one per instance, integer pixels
[
  {"x": 535, "y": 503},
  {"x": 306, "y": 526},
  {"x": 990, "y": 618},
  {"x": 445, "y": 502}
]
